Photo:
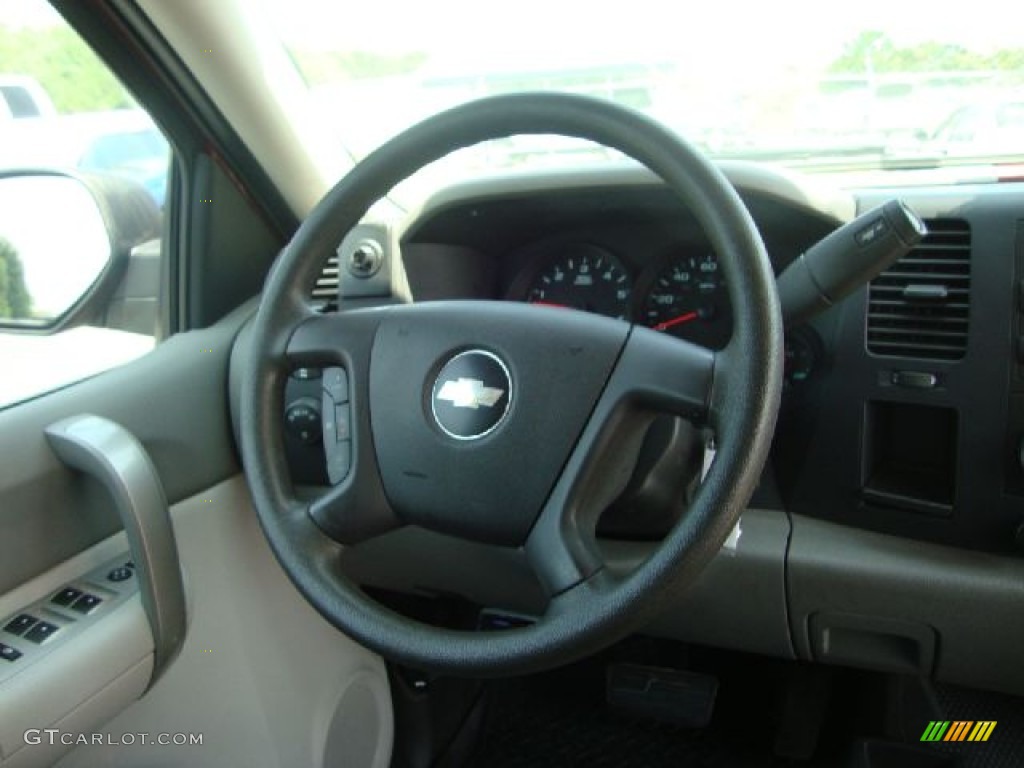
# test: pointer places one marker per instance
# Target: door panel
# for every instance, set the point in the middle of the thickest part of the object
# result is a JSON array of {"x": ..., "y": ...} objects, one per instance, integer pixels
[
  {"x": 173, "y": 401},
  {"x": 78, "y": 686},
  {"x": 262, "y": 678},
  {"x": 93, "y": 675}
]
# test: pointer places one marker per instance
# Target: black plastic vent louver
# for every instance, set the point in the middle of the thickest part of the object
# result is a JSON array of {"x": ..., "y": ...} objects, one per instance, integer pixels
[
  {"x": 325, "y": 292},
  {"x": 919, "y": 306}
]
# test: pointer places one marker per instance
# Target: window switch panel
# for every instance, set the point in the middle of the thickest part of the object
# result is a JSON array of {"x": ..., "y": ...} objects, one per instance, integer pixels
[{"x": 60, "y": 612}]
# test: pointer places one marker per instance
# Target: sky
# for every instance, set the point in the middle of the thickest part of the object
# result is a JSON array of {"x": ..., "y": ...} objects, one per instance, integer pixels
[
  {"x": 739, "y": 49},
  {"x": 737, "y": 36},
  {"x": 27, "y": 13},
  {"x": 722, "y": 34}
]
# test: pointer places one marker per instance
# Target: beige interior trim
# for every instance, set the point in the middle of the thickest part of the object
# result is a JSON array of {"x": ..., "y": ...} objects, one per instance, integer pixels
[
  {"x": 261, "y": 676},
  {"x": 100, "y": 707},
  {"x": 68, "y": 679}
]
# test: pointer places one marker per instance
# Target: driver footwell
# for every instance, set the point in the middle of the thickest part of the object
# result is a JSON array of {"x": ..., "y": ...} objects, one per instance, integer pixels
[
  {"x": 767, "y": 713},
  {"x": 563, "y": 718}
]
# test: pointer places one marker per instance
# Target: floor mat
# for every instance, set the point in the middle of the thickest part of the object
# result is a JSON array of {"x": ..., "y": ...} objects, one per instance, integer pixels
[
  {"x": 562, "y": 720},
  {"x": 1005, "y": 746}
]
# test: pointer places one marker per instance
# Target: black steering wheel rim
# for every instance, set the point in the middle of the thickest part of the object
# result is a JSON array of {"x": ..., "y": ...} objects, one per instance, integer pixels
[{"x": 745, "y": 393}]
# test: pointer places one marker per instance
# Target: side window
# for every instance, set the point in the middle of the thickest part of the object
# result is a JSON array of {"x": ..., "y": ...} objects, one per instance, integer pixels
[{"x": 83, "y": 182}]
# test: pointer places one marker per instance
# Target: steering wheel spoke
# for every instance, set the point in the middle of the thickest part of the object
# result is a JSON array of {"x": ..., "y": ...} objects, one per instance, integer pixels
[
  {"x": 654, "y": 374},
  {"x": 356, "y": 507},
  {"x": 664, "y": 374},
  {"x": 354, "y": 511},
  {"x": 334, "y": 339}
]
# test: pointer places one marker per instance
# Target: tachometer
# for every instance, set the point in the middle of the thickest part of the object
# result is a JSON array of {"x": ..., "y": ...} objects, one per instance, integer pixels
[
  {"x": 687, "y": 298},
  {"x": 584, "y": 277}
]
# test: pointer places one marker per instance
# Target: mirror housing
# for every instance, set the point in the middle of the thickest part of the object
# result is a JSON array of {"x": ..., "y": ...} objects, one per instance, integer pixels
[{"x": 65, "y": 240}]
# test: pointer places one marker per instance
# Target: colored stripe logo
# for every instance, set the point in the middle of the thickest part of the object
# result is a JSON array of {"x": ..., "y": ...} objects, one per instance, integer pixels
[{"x": 958, "y": 730}]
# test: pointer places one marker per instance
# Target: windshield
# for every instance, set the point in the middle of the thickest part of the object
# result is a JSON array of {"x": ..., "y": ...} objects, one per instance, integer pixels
[{"x": 877, "y": 85}]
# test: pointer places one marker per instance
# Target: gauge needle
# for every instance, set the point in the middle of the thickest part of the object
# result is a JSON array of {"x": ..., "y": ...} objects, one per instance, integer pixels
[
  {"x": 676, "y": 321},
  {"x": 549, "y": 304}
]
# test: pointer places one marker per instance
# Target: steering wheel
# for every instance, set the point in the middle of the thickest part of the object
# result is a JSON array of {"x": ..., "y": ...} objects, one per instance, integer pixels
[{"x": 504, "y": 423}]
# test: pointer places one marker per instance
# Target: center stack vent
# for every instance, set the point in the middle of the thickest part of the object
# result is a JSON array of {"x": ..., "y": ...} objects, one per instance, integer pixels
[{"x": 919, "y": 307}]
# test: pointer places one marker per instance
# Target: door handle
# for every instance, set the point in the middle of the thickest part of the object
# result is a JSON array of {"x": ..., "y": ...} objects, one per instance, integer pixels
[{"x": 112, "y": 455}]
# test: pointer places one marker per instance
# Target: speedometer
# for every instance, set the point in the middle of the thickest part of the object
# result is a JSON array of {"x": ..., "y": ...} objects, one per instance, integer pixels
[
  {"x": 687, "y": 298},
  {"x": 584, "y": 277}
]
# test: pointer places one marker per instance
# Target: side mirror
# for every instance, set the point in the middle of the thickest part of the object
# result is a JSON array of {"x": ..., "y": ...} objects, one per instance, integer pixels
[{"x": 65, "y": 241}]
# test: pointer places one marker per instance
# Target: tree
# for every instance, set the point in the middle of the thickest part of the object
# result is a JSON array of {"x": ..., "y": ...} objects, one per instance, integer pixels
[
  {"x": 64, "y": 65},
  {"x": 5, "y": 310},
  {"x": 15, "y": 300},
  {"x": 873, "y": 51}
]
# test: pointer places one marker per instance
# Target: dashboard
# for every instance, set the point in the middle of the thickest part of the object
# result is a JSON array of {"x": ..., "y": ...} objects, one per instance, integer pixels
[
  {"x": 887, "y": 529},
  {"x": 627, "y": 251},
  {"x": 897, "y": 410}
]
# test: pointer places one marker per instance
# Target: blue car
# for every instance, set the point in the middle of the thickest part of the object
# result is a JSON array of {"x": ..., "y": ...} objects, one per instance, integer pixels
[{"x": 140, "y": 154}]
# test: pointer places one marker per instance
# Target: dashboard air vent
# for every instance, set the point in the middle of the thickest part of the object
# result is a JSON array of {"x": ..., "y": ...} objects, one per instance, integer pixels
[
  {"x": 918, "y": 307},
  {"x": 325, "y": 292}
]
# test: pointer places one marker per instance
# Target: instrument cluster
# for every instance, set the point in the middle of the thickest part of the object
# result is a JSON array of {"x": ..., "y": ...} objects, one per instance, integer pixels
[{"x": 682, "y": 292}]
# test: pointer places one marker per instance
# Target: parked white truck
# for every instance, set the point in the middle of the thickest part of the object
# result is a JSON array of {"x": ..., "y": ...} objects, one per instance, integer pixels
[{"x": 22, "y": 96}]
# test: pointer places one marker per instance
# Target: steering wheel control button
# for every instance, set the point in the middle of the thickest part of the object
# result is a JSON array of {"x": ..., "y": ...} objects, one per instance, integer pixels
[
  {"x": 41, "y": 632},
  {"x": 471, "y": 395},
  {"x": 336, "y": 384},
  {"x": 7, "y": 653},
  {"x": 336, "y": 421},
  {"x": 121, "y": 573},
  {"x": 86, "y": 603},
  {"x": 342, "y": 423},
  {"x": 66, "y": 596},
  {"x": 302, "y": 420},
  {"x": 339, "y": 461},
  {"x": 20, "y": 624}
]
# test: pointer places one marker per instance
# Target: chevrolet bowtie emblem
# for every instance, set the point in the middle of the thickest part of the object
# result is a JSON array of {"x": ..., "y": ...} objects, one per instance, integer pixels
[{"x": 469, "y": 393}]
